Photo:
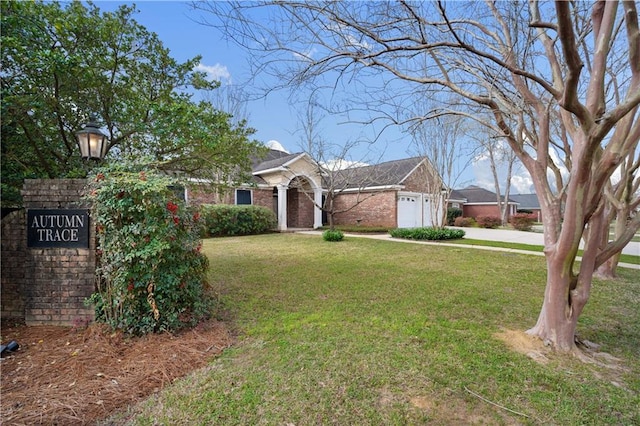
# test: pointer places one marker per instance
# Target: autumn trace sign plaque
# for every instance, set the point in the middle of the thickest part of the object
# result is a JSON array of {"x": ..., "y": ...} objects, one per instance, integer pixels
[{"x": 50, "y": 228}]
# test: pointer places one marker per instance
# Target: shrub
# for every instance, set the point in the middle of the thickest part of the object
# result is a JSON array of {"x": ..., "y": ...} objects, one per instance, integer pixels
[
  {"x": 151, "y": 274},
  {"x": 427, "y": 233},
  {"x": 228, "y": 220},
  {"x": 522, "y": 221},
  {"x": 464, "y": 222},
  {"x": 332, "y": 235},
  {"x": 489, "y": 222},
  {"x": 452, "y": 214}
]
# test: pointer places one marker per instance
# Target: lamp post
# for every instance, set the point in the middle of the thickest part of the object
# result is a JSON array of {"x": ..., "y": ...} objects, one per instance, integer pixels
[{"x": 92, "y": 141}]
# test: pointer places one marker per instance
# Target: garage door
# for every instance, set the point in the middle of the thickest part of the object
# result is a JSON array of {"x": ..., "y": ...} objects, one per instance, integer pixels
[
  {"x": 426, "y": 213},
  {"x": 409, "y": 212},
  {"x": 431, "y": 214}
]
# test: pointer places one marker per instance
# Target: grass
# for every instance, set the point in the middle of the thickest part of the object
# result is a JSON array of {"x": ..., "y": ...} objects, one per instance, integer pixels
[{"x": 373, "y": 332}]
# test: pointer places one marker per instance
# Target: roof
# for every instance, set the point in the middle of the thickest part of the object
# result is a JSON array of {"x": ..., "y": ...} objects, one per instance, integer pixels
[
  {"x": 476, "y": 195},
  {"x": 456, "y": 195},
  {"x": 383, "y": 174},
  {"x": 272, "y": 160},
  {"x": 526, "y": 201}
]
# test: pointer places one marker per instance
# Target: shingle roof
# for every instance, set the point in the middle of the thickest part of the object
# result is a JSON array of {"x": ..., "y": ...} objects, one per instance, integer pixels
[
  {"x": 272, "y": 160},
  {"x": 474, "y": 194},
  {"x": 456, "y": 195},
  {"x": 383, "y": 174},
  {"x": 527, "y": 201}
]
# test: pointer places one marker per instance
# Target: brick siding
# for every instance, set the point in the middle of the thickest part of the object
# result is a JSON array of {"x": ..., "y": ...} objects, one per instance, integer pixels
[
  {"x": 46, "y": 285},
  {"x": 265, "y": 198},
  {"x": 375, "y": 209},
  {"x": 480, "y": 210}
]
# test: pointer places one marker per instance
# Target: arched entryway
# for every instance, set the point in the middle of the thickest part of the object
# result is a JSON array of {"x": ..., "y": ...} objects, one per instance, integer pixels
[
  {"x": 300, "y": 205},
  {"x": 297, "y": 203}
]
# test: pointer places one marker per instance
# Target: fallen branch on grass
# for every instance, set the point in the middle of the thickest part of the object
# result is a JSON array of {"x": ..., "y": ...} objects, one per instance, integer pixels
[{"x": 493, "y": 403}]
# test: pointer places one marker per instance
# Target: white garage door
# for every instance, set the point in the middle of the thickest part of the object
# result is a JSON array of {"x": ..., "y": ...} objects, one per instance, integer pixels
[
  {"x": 427, "y": 213},
  {"x": 432, "y": 212},
  {"x": 409, "y": 212}
]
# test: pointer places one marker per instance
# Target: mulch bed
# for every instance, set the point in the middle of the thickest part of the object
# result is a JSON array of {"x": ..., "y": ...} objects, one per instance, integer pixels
[{"x": 67, "y": 376}]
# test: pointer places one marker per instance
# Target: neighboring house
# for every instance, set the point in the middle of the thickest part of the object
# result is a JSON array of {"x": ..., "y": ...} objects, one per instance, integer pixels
[
  {"x": 528, "y": 202},
  {"x": 475, "y": 201},
  {"x": 391, "y": 194}
]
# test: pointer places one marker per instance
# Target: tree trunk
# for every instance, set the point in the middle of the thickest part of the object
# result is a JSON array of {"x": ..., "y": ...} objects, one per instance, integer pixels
[
  {"x": 330, "y": 210},
  {"x": 567, "y": 293},
  {"x": 557, "y": 321},
  {"x": 608, "y": 269}
]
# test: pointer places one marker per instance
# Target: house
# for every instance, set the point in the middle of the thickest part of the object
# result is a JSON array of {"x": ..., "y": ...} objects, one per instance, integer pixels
[
  {"x": 529, "y": 203},
  {"x": 390, "y": 194},
  {"x": 475, "y": 201}
]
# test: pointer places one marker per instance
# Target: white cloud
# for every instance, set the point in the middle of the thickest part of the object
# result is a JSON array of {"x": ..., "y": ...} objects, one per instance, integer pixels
[
  {"x": 306, "y": 56},
  {"x": 215, "y": 72},
  {"x": 350, "y": 40},
  {"x": 522, "y": 184},
  {"x": 341, "y": 164}
]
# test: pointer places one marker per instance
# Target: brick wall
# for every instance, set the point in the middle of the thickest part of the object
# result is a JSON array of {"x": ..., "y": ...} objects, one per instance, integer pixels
[
  {"x": 205, "y": 194},
  {"x": 14, "y": 265},
  {"x": 422, "y": 180},
  {"x": 481, "y": 210},
  {"x": 198, "y": 194},
  {"x": 46, "y": 285},
  {"x": 265, "y": 198},
  {"x": 305, "y": 210},
  {"x": 377, "y": 209},
  {"x": 293, "y": 199}
]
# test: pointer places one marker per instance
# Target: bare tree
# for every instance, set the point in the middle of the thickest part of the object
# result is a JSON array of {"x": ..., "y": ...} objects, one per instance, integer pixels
[
  {"x": 230, "y": 98},
  {"x": 621, "y": 205},
  {"x": 341, "y": 173},
  {"x": 441, "y": 141},
  {"x": 522, "y": 62},
  {"x": 497, "y": 151}
]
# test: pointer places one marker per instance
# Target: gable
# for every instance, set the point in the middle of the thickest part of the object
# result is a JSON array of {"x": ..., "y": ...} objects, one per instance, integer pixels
[
  {"x": 282, "y": 169},
  {"x": 390, "y": 173}
]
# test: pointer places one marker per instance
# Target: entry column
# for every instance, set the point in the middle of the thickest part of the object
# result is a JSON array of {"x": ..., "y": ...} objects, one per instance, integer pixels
[
  {"x": 282, "y": 208},
  {"x": 317, "y": 212}
]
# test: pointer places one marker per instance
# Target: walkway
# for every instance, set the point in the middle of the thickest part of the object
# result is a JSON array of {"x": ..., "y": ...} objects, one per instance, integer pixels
[{"x": 504, "y": 235}]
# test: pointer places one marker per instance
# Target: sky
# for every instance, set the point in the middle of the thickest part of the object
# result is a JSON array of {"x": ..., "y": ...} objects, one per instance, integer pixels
[{"x": 273, "y": 118}]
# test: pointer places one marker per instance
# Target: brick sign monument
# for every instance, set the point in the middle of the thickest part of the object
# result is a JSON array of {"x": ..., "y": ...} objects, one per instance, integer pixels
[{"x": 48, "y": 255}]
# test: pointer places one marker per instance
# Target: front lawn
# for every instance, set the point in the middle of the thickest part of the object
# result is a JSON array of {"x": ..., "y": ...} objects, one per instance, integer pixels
[{"x": 372, "y": 332}]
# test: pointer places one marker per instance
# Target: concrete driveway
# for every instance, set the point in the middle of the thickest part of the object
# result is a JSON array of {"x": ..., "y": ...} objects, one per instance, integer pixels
[{"x": 535, "y": 238}]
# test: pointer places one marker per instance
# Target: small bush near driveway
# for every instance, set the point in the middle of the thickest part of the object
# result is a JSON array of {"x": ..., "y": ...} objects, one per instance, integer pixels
[
  {"x": 464, "y": 222},
  {"x": 489, "y": 222},
  {"x": 522, "y": 221},
  {"x": 333, "y": 235}
]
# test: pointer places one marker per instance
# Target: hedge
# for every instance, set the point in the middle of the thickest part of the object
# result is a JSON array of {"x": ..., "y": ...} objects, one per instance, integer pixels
[
  {"x": 427, "y": 233},
  {"x": 228, "y": 220}
]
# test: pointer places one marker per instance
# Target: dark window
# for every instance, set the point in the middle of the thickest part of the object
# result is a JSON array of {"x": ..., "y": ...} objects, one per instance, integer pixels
[{"x": 243, "y": 196}]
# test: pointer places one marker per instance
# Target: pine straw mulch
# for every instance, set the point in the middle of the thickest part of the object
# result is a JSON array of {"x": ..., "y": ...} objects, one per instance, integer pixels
[{"x": 66, "y": 376}]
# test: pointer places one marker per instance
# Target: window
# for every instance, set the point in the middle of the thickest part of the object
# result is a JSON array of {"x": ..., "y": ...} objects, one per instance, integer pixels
[{"x": 243, "y": 196}]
